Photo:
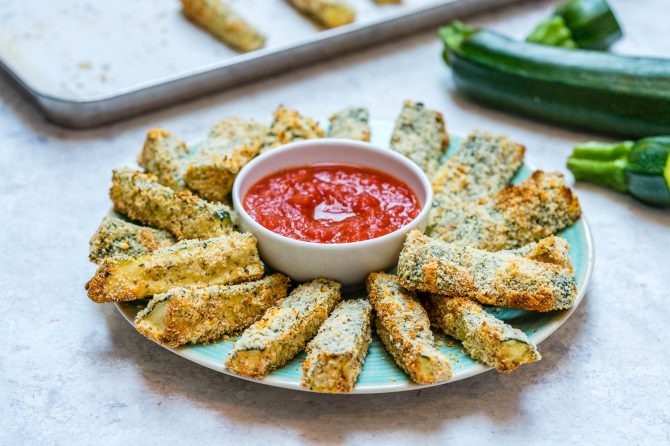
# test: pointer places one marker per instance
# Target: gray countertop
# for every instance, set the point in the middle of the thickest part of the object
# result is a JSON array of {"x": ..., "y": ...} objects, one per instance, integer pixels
[{"x": 72, "y": 371}]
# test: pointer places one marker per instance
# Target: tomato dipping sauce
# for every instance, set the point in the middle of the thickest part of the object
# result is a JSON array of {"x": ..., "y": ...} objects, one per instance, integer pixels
[{"x": 331, "y": 203}]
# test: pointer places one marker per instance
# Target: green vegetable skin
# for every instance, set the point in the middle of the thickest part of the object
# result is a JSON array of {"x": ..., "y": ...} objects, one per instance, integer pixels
[
  {"x": 589, "y": 89},
  {"x": 640, "y": 168},
  {"x": 588, "y": 24}
]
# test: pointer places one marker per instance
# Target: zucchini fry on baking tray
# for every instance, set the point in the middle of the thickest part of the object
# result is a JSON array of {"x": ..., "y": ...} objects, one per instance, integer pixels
[
  {"x": 485, "y": 337},
  {"x": 335, "y": 356},
  {"x": 519, "y": 214},
  {"x": 327, "y": 13},
  {"x": 420, "y": 135},
  {"x": 284, "y": 330},
  {"x": 404, "y": 328},
  {"x": 502, "y": 278},
  {"x": 220, "y": 20},
  {"x": 140, "y": 197},
  {"x": 350, "y": 123},
  {"x": 189, "y": 315},
  {"x": 479, "y": 168},
  {"x": 217, "y": 261},
  {"x": 116, "y": 236},
  {"x": 288, "y": 126},
  {"x": 231, "y": 144}
]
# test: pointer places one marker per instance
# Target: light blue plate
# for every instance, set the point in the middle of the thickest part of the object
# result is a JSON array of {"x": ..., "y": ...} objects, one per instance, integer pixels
[{"x": 380, "y": 373}]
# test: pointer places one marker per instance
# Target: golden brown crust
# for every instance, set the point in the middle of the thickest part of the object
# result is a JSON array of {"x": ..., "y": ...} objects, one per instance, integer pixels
[
  {"x": 163, "y": 155},
  {"x": 218, "y": 261},
  {"x": 504, "y": 278},
  {"x": 288, "y": 126}
]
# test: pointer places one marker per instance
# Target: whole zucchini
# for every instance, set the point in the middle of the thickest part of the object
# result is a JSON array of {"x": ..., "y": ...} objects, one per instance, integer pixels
[
  {"x": 581, "y": 88},
  {"x": 640, "y": 168}
]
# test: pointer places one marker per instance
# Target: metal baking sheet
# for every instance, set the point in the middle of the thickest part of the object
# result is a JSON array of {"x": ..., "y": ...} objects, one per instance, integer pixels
[{"x": 89, "y": 62}]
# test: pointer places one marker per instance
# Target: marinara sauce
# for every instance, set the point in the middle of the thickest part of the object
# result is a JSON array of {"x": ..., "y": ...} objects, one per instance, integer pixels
[{"x": 331, "y": 203}]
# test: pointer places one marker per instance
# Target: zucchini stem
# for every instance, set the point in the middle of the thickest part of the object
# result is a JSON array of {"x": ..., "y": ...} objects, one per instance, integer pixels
[
  {"x": 553, "y": 32},
  {"x": 452, "y": 36},
  {"x": 601, "y": 163}
]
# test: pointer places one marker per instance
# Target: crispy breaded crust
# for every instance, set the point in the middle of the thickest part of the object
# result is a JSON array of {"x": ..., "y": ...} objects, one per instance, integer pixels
[
  {"x": 140, "y": 197},
  {"x": 188, "y": 315},
  {"x": 404, "y": 328},
  {"x": 116, "y": 236},
  {"x": 163, "y": 155},
  {"x": 479, "y": 168},
  {"x": 231, "y": 144},
  {"x": 350, "y": 123},
  {"x": 287, "y": 126},
  {"x": 552, "y": 249},
  {"x": 328, "y": 13},
  {"x": 217, "y": 261},
  {"x": 284, "y": 330},
  {"x": 420, "y": 135},
  {"x": 485, "y": 337},
  {"x": 223, "y": 22},
  {"x": 502, "y": 278},
  {"x": 520, "y": 214},
  {"x": 335, "y": 356}
]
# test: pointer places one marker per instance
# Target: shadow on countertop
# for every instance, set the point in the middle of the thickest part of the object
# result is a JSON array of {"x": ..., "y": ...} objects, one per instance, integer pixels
[{"x": 332, "y": 418}]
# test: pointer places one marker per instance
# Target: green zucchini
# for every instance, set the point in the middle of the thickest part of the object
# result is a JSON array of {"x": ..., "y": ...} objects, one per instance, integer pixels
[
  {"x": 588, "y": 24},
  {"x": 589, "y": 89},
  {"x": 637, "y": 168}
]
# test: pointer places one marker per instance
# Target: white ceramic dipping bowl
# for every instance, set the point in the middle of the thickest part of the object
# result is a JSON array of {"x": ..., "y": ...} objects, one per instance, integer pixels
[{"x": 347, "y": 263}]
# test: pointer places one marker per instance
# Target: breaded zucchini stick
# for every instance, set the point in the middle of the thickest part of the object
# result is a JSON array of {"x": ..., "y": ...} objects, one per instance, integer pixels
[
  {"x": 163, "y": 155},
  {"x": 116, "y": 236},
  {"x": 140, "y": 197},
  {"x": 335, "y": 356},
  {"x": 224, "y": 23},
  {"x": 479, "y": 168},
  {"x": 188, "y": 315},
  {"x": 485, "y": 337},
  {"x": 404, "y": 328},
  {"x": 350, "y": 123},
  {"x": 552, "y": 249},
  {"x": 287, "y": 126},
  {"x": 520, "y": 214},
  {"x": 387, "y": 2},
  {"x": 231, "y": 144},
  {"x": 420, "y": 135},
  {"x": 217, "y": 261},
  {"x": 502, "y": 278},
  {"x": 328, "y": 13},
  {"x": 284, "y": 330}
]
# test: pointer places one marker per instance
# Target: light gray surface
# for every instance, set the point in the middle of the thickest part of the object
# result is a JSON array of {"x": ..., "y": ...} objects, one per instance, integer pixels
[{"x": 75, "y": 372}]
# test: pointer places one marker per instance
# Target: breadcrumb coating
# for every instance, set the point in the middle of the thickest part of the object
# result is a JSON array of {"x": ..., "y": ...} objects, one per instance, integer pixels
[
  {"x": 404, "y": 328},
  {"x": 163, "y": 155},
  {"x": 288, "y": 126},
  {"x": 335, "y": 356},
  {"x": 350, "y": 123},
  {"x": 190, "y": 315},
  {"x": 503, "y": 278},
  {"x": 327, "y": 13}
]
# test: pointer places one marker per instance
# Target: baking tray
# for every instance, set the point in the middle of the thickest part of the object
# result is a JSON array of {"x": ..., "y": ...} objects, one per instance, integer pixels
[{"x": 85, "y": 63}]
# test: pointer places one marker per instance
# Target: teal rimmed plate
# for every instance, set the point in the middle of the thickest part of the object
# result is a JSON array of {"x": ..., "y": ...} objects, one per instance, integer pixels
[{"x": 380, "y": 373}]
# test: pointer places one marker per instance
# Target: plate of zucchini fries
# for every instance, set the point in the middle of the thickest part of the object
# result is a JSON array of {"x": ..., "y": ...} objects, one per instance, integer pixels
[{"x": 505, "y": 260}]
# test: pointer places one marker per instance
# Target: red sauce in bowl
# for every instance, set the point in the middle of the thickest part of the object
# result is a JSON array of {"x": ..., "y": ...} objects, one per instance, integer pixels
[{"x": 331, "y": 203}]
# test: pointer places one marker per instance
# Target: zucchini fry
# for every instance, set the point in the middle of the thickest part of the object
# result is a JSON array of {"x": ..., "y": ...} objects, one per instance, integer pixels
[
  {"x": 188, "y": 315},
  {"x": 163, "y": 155},
  {"x": 116, "y": 236},
  {"x": 485, "y": 337},
  {"x": 552, "y": 249},
  {"x": 217, "y": 261},
  {"x": 502, "y": 278},
  {"x": 350, "y": 123},
  {"x": 335, "y": 356},
  {"x": 480, "y": 167},
  {"x": 140, "y": 197},
  {"x": 224, "y": 23},
  {"x": 284, "y": 330},
  {"x": 520, "y": 214},
  {"x": 328, "y": 13},
  {"x": 231, "y": 144},
  {"x": 404, "y": 328},
  {"x": 287, "y": 126},
  {"x": 420, "y": 135}
]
